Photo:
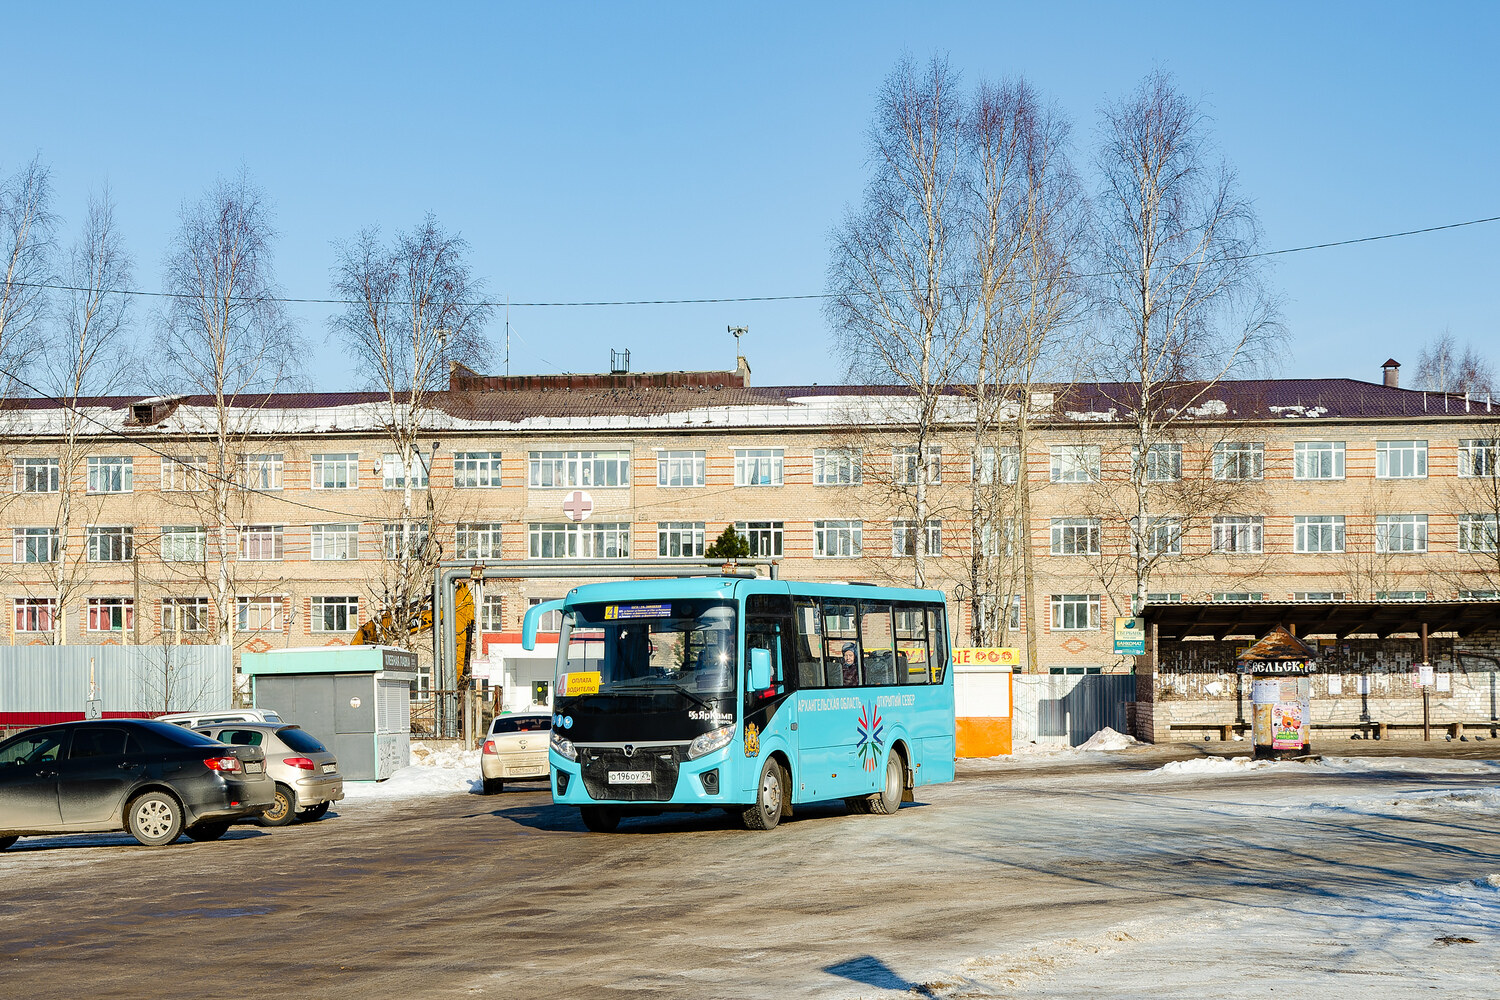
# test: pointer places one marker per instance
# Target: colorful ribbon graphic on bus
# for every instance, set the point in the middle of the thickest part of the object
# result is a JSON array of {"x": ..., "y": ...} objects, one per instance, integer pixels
[{"x": 871, "y": 741}]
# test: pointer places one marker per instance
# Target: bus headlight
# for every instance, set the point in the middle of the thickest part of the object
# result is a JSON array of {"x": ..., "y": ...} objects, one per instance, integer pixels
[
  {"x": 563, "y": 746},
  {"x": 710, "y": 741}
]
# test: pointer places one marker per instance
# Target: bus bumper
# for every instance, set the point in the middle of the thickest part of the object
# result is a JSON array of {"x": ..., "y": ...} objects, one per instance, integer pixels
[{"x": 706, "y": 782}]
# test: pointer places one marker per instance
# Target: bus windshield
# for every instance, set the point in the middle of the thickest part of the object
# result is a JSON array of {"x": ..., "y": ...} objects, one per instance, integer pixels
[{"x": 682, "y": 645}]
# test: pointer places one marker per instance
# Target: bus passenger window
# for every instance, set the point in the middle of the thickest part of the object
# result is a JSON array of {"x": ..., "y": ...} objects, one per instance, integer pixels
[
  {"x": 912, "y": 664},
  {"x": 809, "y": 644},
  {"x": 937, "y": 637},
  {"x": 840, "y": 645},
  {"x": 875, "y": 637}
]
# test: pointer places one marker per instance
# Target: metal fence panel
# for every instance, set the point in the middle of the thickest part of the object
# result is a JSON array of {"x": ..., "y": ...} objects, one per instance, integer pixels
[
  {"x": 1071, "y": 706},
  {"x": 40, "y": 681}
]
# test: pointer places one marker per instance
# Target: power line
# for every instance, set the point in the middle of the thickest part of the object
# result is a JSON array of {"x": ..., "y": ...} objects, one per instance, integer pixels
[{"x": 721, "y": 300}]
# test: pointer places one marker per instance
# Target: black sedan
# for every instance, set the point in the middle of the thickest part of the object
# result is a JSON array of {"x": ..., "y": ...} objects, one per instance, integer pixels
[{"x": 153, "y": 779}]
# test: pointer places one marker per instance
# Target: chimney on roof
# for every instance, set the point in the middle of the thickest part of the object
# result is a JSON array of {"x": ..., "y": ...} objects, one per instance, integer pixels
[
  {"x": 1392, "y": 370},
  {"x": 743, "y": 367}
]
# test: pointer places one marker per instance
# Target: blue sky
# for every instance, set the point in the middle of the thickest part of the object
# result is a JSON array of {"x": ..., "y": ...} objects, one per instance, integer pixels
[{"x": 681, "y": 151}]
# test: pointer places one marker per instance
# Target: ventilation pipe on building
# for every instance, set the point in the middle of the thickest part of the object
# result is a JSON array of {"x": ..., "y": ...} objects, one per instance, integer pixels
[{"x": 1392, "y": 371}]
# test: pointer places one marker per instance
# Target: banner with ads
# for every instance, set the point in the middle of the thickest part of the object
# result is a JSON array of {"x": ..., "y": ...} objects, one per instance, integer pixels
[{"x": 987, "y": 656}]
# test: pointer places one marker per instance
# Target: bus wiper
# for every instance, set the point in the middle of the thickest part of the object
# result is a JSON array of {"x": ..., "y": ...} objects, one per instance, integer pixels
[{"x": 645, "y": 682}]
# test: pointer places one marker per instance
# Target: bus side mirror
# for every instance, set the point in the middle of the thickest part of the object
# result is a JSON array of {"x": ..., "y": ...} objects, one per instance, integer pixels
[
  {"x": 533, "y": 616},
  {"x": 760, "y": 669}
]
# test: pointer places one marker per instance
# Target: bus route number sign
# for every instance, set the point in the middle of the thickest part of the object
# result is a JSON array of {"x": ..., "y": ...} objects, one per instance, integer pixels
[{"x": 614, "y": 612}]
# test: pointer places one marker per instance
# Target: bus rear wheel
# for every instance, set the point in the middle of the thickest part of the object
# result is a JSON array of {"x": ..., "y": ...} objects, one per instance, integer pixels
[
  {"x": 770, "y": 793},
  {"x": 888, "y": 799},
  {"x": 598, "y": 819}
]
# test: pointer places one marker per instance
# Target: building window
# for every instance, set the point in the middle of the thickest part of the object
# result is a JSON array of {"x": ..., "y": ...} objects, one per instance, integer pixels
[
  {"x": 35, "y": 614},
  {"x": 260, "y": 472},
  {"x": 1320, "y": 595},
  {"x": 1163, "y": 462},
  {"x": 1239, "y": 460},
  {"x": 1476, "y": 532},
  {"x": 111, "y": 614},
  {"x": 492, "y": 613},
  {"x": 584, "y": 540},
  {"x": 904, "y": 537},
  {"x": 1319, "y": 533},
  {"x": 566, "y": 469},
  {"x": 335, "y": 471},
  {"x": 34, "y": 545},
  {"x": 403, "y": 540},
  {"x": 1318, "y": 460},
  {"x": 1401, "y": 533},
  {"x": 991, "y": 535},
  {"x": 833, "y": 539},
  {"x": 1007, "y": 461},
  {"x": 110, "y": 544},
  {"x": 1479, "y": 457},
  {"x": 1075, "y": 463},
  {"x": 1401, "y": 595},
  {"x": 335, "y": 541},
  {"x": 187, "y": 473},
  {"x": 1400, "y": 459},
  {"x": 111, "y": 474},
  {"x": 1479, "y": 595},
  {"x": 679, "y": 539},
  {"x": 184, "y": 543},
  {"x": 1238, "y": 595},
  {"x": 184, "y": 614},
  {"x": 1239, "y": 533},
  {"x": 1075, "y": 612},
  {"x": 1075, "y": 536},
  {"x": 258, "y": 614},
  {"x": 398, "y": 474},
  {"x": 551, "y": 621},
  {"x": 838, "y": 466},
  {"x": 478, "y": 540},
  {"x": 34, "y": 475},
  {"x": 680, "y": 468},
  {"x": 261, "y": 542},
  {"x": 757, "y": 466},
  {"x": 335, "y": 614},
  {"x": 1163, "y": 535},
  {"x": 1163, "y": 597},
  {"x": 473, "y": 470},
  {"x": 764, "y": 537}
]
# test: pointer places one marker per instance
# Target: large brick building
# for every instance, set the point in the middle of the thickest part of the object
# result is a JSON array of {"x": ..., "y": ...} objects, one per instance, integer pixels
[{"x": 1296, "y": 489}]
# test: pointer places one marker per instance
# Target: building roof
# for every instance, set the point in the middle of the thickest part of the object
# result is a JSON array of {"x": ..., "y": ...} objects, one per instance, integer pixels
[{"x": 1222, "y": 619}]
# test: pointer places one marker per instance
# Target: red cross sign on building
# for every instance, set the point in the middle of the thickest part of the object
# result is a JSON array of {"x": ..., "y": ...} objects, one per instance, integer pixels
[{"x": 578, "y": 506}]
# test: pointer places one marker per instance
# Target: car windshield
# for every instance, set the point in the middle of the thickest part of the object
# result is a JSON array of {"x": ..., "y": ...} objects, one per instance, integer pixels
[
  {"x": 177, "y": 734},
  {"x": 520, "y": 724},
  {"x": 300, "y": 741},
  {"x": 686, "y": 645}
]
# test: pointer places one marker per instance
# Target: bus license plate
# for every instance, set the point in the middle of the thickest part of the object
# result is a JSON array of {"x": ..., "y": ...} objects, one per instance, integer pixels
[{"x": 630, "y": 777}]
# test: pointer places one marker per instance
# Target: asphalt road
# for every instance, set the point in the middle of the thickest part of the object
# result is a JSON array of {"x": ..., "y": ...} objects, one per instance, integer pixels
[{"x": 508, "y": 896}]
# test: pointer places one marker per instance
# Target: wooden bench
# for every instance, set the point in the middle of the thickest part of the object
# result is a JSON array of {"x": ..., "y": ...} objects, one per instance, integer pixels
[{"x": 1225, "y": 730}]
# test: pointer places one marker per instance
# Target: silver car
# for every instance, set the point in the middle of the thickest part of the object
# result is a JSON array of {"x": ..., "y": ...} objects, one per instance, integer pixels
[
  {"x": 305, "y": 771},
  {"x": 515, "y": 749}
]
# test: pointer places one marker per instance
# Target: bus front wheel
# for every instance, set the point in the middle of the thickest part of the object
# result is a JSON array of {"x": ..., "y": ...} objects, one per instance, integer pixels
[
  {"x": 599, "y": 819},
  {"x": 888, "y": 799},
  {"x": 766, "y": 812}
]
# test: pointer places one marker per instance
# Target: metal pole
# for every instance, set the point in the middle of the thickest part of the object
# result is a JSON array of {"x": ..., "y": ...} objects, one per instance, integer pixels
[{"x": 1426, "y": 696}]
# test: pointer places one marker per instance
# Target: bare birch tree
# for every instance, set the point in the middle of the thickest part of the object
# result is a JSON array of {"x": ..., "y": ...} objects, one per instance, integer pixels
[
  {"x": 1443, "y": 367},
  {"x": 26, "y": 229},
  {"x": 900, "y": 311},
  {"x": 225, "y": 336},
  {"x": 414, "y": 311},
  {"x": 1182, "y": 299},
  {"x": 88, "y": 353}
]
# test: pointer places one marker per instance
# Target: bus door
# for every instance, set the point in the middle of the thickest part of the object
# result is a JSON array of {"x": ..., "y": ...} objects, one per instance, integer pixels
[
  {"x": 770, "y": 712},
  {"x": 829, "y": 673}
]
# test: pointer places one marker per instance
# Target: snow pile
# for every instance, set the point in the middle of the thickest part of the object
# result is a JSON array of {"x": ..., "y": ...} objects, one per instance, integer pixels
[
  {"x": 1108, "y": 739},
  {"x": 1427, "y": 765},
  {"x": 1218, "y": 766},
  {"x": 441, "y": 770},
  {"x": 1484, "y": 801}
]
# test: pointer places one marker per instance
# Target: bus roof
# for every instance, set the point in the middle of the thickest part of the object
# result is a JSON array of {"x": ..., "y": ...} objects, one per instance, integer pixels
[{"x": 728, "y": 587}]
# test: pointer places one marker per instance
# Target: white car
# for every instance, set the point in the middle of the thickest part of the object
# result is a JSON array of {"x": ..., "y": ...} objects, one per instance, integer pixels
[
  {"x": 515, "y": 749},
  {"x": 192, "y": 720}
]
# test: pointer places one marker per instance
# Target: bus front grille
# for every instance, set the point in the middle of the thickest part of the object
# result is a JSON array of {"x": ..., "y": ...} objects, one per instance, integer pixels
[{"x": 596, "y": 763}]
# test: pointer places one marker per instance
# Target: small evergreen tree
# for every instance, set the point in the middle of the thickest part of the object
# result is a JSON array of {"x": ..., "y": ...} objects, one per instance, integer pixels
[{"x": 730, "y": 545}]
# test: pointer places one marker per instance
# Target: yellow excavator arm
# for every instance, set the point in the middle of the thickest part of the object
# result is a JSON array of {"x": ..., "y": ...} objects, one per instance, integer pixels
[{"x": 418, "y": 616}]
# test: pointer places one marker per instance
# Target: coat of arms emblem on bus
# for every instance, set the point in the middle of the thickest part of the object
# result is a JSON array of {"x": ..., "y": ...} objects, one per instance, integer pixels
[
  {"x": 752, "y": 740},
  {"x": 871, "y": 742}
]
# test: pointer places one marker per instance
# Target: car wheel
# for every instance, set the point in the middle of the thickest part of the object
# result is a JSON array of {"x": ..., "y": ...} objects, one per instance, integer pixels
[
  {"x": 770, "y": 793},
  {"x": 154, "y": 819},
  {"x": 599, "y": 819},
  {"x": 888, "y": 799},
  {"x": 317, "y": 812},
  {"x": 7, "y": 841},
  {"x": 283, "y": 808},
  {"x": 204, "y": 832},
  {"x": 493, "y": 786}
]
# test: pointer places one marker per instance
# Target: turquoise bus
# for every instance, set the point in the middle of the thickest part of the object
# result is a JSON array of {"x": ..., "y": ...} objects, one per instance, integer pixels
[{"x": 745, "y": 694}]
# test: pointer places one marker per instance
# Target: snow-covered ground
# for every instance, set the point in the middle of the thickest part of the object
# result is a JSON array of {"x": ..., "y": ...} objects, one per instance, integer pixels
[{"x": 441, "y": 770}]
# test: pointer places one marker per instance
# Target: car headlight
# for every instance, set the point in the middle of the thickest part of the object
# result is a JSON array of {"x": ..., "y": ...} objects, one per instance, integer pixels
[
  {"x": 564, "y": 746},
  {"x": 710, "y": 741}
]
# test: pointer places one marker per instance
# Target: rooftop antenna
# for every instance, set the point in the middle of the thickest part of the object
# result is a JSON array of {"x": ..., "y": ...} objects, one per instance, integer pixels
[
  {"x": 507, "y": 335},
  {"x": 738, "y": 331}
]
